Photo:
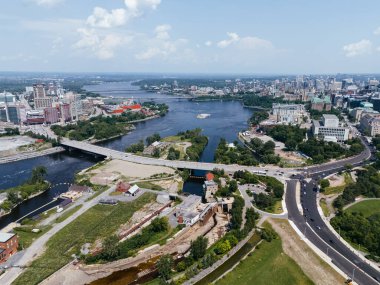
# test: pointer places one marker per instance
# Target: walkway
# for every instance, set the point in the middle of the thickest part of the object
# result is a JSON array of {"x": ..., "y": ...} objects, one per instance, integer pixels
[{"x": 38, "y": 245}]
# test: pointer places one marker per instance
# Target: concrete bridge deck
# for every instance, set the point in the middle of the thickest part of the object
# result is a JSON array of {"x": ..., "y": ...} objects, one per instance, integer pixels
[{"x": 114, "y": 154}]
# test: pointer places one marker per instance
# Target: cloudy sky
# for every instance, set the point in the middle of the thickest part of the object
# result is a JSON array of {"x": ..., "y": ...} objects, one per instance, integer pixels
[{"x": 190, "y": 36}]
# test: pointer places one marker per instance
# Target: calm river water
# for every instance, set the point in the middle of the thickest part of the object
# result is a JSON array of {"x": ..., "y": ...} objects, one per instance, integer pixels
[{"x": 226, "y": 120}]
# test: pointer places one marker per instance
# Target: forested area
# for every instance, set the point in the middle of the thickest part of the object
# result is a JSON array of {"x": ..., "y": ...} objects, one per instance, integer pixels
[
  {"x": 198, "y": 143},
  {"x": 254, "y": 100},
  {"x": 291, "y": 136},
  {"x": 264, "y": 151},
  {"x": 238, "y": 154},
  {"x": 99, "y": 128},
  {"x": 360, "y": 230},
  {"x": 367, "y": 184},
  {"x": 258, "y": 117}
]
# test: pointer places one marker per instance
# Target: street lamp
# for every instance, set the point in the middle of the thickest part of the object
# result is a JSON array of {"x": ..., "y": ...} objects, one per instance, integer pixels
[
  {"x": 353, "y": 274},
  {"x": 327, "y": 251}
]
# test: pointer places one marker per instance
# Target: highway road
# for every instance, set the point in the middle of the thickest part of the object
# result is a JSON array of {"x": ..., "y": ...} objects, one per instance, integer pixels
[
  {"x": 115, "y": 154},
  {"x": 314, "y": 228}
]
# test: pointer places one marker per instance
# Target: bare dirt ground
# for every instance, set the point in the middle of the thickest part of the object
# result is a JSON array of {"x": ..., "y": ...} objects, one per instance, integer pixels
[
  {"x": 219, "y": 230},
  {"x": 115, "y": 169},
  {"x": 336, "y": 180},
  {"x": 170, "y": 185},
  {"x": 314, "y": 267}
]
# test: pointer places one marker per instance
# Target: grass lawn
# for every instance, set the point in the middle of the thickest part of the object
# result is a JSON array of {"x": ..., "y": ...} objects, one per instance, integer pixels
[
  {"x": 267, "y": 265},
  {"x": 67, "y": 214},
  {"x": 98, "y": 222},
  {"x": 149, "y": 185},
  {"x": 277, "y": 208},
  {"x": 324, "y": 207},
  {"x": 171, "y": 139},
  {"x": 366, "y": 207},
  {"x": 26, "y": 236}
]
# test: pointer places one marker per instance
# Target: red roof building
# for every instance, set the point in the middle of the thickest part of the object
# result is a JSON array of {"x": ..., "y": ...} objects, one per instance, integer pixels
[
  {"x": 135, "y": 107},
  {"x": 209, "y": 176},
  {"x": 122, "y": 187},
  {"x": 117, "y": 111}
]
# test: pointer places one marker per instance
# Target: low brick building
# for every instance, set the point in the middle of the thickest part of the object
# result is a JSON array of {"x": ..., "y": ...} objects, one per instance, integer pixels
[{"x": 8, "y": 246}]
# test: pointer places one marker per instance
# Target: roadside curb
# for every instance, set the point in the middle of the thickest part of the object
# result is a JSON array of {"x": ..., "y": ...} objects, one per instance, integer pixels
[
  {"x": 317, "y": 251},
  {"x": 331, "y": 228}
]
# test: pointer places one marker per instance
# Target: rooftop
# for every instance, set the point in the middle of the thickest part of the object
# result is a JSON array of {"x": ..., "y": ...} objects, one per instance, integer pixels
[
  {"x": 4, "y": 237},
  {"x": 330, "y": 117},
  {"x": 210, "y": 183}
]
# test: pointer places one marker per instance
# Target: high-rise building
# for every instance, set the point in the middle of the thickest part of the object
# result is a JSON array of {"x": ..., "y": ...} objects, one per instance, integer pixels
[
  {"x": 65, "y": 112},
  {"x": 51, "y": 115},
  {"x": 39, "y": 91},
  {"x": 42, "y": 103}
]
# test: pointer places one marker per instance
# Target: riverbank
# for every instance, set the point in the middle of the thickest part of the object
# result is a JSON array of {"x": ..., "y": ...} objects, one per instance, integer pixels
[
  {"x": 13, "y": 206},
  {"x": 28, "y": 155}
]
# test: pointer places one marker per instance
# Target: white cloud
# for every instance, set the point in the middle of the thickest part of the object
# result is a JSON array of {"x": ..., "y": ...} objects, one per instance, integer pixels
[
  {"x": 162, "y": 32},
  {"x": 137, "y": 7},
  {"x": 377, "y": 31},
  {"x": 103, "y": 19},
  {"x": 245, "y": 43},
  {"x": 359, "y": 48},
  {"x": 107, "y": 45},
  {"x": 254, "y": 43},
  {"x": 102, "y": 46},
  {"x": 47, "y": 3},
  {"x": 208, "y": 43},
  {"x": 232, "y": 37},
  {"x": 161, "y": 45}
]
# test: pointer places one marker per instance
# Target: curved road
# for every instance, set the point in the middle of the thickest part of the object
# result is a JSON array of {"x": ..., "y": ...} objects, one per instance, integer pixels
[{"x": 314, "y": 228}]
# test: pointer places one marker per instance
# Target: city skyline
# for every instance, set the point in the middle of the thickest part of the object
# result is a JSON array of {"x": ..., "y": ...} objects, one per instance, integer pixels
[{"x": 166, "y": 36}]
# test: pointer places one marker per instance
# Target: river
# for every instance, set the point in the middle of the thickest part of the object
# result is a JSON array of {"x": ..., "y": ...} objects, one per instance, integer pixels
[{"x": 226, "y": 120}]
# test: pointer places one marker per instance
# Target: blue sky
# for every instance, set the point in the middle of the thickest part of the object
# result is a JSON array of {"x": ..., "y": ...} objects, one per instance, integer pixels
[{"x": 190, "y": 36}]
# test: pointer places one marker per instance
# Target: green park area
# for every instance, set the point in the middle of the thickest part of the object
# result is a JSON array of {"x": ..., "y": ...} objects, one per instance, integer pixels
[
  {"x": 367, "y": 208},
  {"x": 267, "y": 264},
  {"x": 96, "y": 223}
]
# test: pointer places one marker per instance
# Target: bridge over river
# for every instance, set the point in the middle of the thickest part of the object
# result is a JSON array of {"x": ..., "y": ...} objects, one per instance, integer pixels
[{"x": 115, "y": 154}]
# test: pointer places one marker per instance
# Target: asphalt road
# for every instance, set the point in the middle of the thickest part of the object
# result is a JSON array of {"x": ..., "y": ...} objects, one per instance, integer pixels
[{"x": 313, "y": 227}]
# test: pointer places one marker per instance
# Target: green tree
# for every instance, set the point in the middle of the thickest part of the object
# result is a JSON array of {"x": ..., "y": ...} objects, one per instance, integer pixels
[
  {"x": 13, "y": 197},
  {"x": 233, "y": 186},
  {"x": 164, "y": 266},
  {"x": 222, "y": 247},
  {"x": 110, "y": 247},
  {"x": 198, "y": 247},
  {"x": 38, "y": 174},
  {"x": 156, "y": 152},
  {"x": 348, "y": 167},
  {"x": 324, "y": 183},
  {"x": 151, "y": 139}
]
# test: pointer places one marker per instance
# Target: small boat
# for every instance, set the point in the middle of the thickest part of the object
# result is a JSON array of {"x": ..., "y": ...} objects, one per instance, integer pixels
[{"x": 203, "y": 116}]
